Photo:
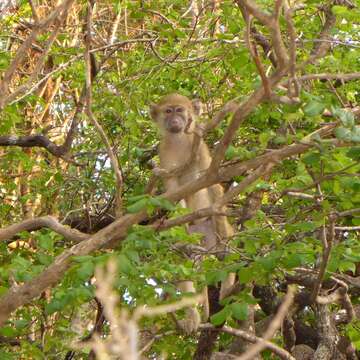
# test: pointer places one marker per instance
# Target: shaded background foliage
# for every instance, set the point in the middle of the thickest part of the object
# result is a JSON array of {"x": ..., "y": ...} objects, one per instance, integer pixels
[{"x": 142, "y": 51}]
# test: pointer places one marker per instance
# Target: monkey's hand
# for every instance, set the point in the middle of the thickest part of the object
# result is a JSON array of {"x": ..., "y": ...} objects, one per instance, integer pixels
[
  {"x": 192, "y": 321},
  {"x": 159, "y": 172}
]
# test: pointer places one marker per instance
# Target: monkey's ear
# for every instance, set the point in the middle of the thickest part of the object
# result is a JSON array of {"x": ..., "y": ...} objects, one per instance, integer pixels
[
  {"x": 198, "y": 106},
  {"x": 153, "y": 111}
]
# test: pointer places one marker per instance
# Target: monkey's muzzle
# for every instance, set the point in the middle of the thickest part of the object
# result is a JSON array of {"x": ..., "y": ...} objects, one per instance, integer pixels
[{"x": 175, "y": 125}]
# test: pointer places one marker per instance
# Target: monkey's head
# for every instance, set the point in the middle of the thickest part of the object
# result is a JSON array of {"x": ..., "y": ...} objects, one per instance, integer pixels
[{"x": 175, "y": 113}]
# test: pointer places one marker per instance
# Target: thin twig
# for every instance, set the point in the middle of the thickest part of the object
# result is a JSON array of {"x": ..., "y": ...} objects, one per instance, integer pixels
[
  {"x": 327, "y": 241},
  {"x": 328, "y": 76}
]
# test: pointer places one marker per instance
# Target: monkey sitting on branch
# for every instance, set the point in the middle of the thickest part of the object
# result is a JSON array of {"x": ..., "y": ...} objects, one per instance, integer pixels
[{"x": 184, "y": 157}]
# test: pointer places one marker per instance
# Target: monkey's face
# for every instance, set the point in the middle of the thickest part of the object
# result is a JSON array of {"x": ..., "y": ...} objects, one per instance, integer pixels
[
  {"x": 175, "y": 114},
  {"x": 175, "y": 118}
]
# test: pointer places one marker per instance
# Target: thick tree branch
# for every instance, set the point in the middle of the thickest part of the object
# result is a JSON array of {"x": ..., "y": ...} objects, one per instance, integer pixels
[{"x": 39, "y": 223}]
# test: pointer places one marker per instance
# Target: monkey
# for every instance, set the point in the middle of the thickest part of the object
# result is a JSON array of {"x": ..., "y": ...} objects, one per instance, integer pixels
[{"x": 175, "y": 116}]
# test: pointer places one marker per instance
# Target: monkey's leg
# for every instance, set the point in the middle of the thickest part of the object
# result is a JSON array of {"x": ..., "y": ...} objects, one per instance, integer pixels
[
  {"x": 192, "y": 317},
  {"x": 224, "y": 231},
  {"x": 226, "y": 285}
]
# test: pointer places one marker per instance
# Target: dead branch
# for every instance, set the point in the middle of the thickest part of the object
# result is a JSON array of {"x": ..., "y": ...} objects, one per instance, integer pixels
[{"x": 38, "y": 223}]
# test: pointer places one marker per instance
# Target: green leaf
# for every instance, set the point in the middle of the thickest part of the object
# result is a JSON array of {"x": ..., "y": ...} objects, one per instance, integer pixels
[
  {"x": 21, "y": 324},
  {"x": 230, "y": 153},
  {"x": 313, "y": 108},
  {"x": 6, "y": 356},
  {"x": 85, "y": 270},
  {"x": 343, "y": 133},
  {"x": 302, "y": 227},
  {"x": 3, "y": 290},
  {"x": 346, "y": 13},
  {"x": 292, "y": 261},
  {"x": 53, "y": 306},
  {"x": 220, "y": 317},
  {"x": 83, "y": 258},
  {"x": 8, "y": 331},
  {"x": 162, "y": 203},
  {"x": 268, "y": 263},
  {"x": 347, "y": 118},
  {"x": 312, "y": 158},
  {"x": 240, "y": 311},
  {"x": 246, "y": 275},
  {"x": 124, "y": 264},
  {"x": 138, "y": 206},
  {"x": 46, "y": 242},
  {"x": 279, "y": 140},
  {"x": 133, "y": 256},
  {"x": 354, "y": 153},
  {"x": 21, "y": 263},
  {"x": 214, "y": 277},
  {"x": 345, "y": 265},
  {"x": 5, "y": 58},
  {"x": 353, "y": 332},
  {"x": 44, "y": 259},
  {"x": 355, "y": 134},
  {"x": 265, "y": 136}
]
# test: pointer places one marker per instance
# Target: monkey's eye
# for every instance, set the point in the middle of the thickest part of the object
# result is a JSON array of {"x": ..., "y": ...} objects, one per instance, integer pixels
[
  {"x": 179, "y": 109},
  {"x": 168, "y": 111}
]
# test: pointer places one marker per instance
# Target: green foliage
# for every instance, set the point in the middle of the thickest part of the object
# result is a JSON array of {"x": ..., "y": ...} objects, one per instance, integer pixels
[{"x": 353, "y": 331}]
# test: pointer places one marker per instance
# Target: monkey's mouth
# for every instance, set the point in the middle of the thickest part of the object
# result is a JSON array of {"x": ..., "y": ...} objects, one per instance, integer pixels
[
  {"x": 175, "y": 126},
  {"x": 175, "y": 129}
]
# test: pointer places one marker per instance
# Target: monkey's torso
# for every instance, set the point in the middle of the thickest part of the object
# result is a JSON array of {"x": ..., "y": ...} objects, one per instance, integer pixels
[{"x": 171, "y": 158}]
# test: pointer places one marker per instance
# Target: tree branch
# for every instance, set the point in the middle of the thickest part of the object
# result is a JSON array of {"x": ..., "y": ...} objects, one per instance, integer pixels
[
  {"x": 39, "y": 223},
  {"x": 283, "y": 354}
]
